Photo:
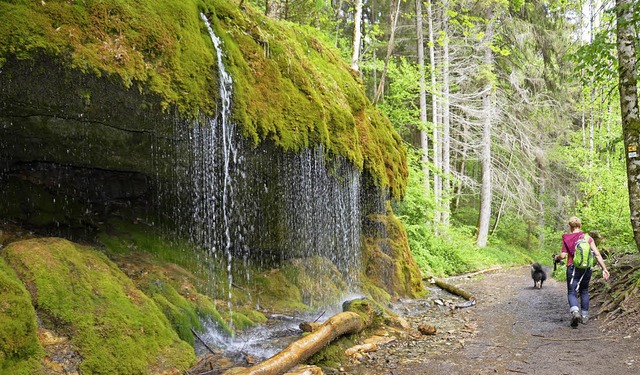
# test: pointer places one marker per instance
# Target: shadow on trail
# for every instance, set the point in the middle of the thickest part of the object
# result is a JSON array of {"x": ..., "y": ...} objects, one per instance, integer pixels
[{"x": 513, "y": 329}]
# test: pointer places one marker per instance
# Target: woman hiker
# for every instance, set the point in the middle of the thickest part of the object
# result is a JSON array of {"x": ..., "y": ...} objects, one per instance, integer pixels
[{"x": 578, "y": 278}]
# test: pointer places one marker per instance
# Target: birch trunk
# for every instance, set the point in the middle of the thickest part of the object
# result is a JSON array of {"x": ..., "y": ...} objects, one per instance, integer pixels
[
  {"x": 629, "y": 106},
  {"x": 446, "y": 141},
  {"x": 424, "y": 138},
  {"x": 485, "y": 153},
  {"x": 357, "y": 35},
  {"x": 434, "y": 108},
  {"x": 394, "y": 22}
]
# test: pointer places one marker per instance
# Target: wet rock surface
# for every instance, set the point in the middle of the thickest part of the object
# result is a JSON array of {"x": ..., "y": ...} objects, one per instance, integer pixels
[{"x": 513, "y": 329}]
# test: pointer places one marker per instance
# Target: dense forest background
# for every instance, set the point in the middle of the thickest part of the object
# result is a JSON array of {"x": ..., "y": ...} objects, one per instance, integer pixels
[{"x": 510, "y": 110}]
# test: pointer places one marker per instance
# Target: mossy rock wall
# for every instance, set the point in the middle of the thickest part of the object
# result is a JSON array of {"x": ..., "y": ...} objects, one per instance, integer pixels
[
  {"x": 289, "y": 87},
  {"x": 91, "y": 94}
]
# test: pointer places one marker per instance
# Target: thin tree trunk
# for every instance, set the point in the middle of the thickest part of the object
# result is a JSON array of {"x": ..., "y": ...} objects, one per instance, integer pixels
[
  {"x": 591, "y": 91},
  {"x": 446, "y": 141},
  {"x": 503, "y": 199},
  {"x": 390, "y": 46},
  {"x": 629, "y": 106},
  {"x": 424, "y": 138},
  {"x": 463, "y": 165},
  {"x": 485, "y": 153},
  {"x": 357, "y": 35},
  {"x": 435, "y": 144},
  {"x": 338, "y": 16}
]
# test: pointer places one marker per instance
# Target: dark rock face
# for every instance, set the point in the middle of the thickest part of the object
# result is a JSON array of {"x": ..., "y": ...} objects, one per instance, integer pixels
[
  {"x": 49, "y": 113},
  {"x": 74, "y": 147}
]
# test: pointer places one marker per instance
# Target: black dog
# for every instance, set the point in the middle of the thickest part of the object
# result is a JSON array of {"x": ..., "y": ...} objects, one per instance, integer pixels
[{"x": 538, "y": 275}]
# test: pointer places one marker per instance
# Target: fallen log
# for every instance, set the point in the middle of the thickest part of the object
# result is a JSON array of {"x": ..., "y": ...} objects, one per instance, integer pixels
[
  {"x": 340, "y": 324},
  {"x": 466, "y": 275},
  {"x": 364, "y": 348},
  {"x": 454, "y": 290}
]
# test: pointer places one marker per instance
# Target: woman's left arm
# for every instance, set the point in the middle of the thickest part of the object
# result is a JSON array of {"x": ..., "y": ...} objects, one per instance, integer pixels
[{"x": 605, "y": 273}]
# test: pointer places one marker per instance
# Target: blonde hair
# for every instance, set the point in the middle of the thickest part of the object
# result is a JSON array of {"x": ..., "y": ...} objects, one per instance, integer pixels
[{"x": 574, "y": 222}]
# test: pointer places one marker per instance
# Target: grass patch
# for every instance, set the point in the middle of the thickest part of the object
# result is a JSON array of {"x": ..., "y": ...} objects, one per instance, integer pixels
[{"x": 456, "y": 253}]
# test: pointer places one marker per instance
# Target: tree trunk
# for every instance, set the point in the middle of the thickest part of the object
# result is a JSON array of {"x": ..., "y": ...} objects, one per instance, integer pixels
[
  {"x": 424, "y": 138},
  {"x": 485, "y": 153},
  {"x": 394, "y": 22},
  {"x": 446, "y": 141},
  {"x": 629, "y": 106},
  {"x": 454, "y": 290},
  {"x": 357, "y": 35},
  {"x": 435, "y": 144}
]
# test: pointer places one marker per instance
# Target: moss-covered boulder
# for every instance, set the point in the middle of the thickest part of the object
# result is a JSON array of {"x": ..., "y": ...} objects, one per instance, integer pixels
[
  {"x": 20, "y": 351},
  {"x": 80, "y": 294},
  {"x": 391, "y": 271}
]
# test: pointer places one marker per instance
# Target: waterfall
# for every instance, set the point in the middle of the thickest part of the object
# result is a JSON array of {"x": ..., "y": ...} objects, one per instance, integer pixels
[{"x": 256, "y": 207}]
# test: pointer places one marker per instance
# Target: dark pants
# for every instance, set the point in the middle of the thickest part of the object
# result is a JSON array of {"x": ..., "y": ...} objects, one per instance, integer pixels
[{"x": 578, "y": 285}]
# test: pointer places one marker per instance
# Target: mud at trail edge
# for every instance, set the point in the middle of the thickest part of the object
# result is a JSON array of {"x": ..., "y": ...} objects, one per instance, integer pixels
[{"x": 513, "y": 329}]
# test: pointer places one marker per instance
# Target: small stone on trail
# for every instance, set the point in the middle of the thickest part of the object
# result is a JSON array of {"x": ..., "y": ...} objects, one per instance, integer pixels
[{"x": 427, "y": 330}]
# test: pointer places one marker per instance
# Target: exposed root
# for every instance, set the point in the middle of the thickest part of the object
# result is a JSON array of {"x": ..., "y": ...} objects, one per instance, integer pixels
[{"x": 620, "y": 298}]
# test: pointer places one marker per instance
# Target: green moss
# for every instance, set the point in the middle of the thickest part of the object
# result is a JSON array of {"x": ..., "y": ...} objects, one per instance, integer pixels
[
  {"x": 157, "y": 43},
  {"x": 319, "y": 100},
  {"x": 242, "y": 322},
  {"x": 78, "y": 291},
  {"x": 20, "y": 351},
  {"x": 126, "y": 238},
  {"x": 389, "y": 263},
  {"x": 317, "y": 278},
  {"x": 255, "y": 316},
  {"x": 281, "y": 294},
  {"x": 172, "y": 289},
  {"x": 332, "y": 356}
]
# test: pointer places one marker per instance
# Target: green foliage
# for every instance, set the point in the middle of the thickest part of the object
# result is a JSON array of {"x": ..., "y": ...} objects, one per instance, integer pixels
[
  {"x": 560, "y": 273},
  {"x": 400, "y": 103},
  {"x": 605, "y": 208},
  {"x": 456, "y": 253},
  {"x": 416, "y": 209},
  {"x": 20, "y": 351},
  {"x": 600, "y": 185},
  {"x": 80, "y": 293}
]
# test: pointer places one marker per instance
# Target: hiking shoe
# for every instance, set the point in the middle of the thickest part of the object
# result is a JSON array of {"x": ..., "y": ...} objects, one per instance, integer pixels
[
  {"x": 584, "y": 319},
  {"x": 575, "y": 319}
]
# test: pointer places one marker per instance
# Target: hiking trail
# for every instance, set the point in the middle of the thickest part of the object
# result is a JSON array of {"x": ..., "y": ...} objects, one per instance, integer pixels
[{"x": 513, "y": 329}]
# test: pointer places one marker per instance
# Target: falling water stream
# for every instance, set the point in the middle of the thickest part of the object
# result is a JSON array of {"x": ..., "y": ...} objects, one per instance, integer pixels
[
  {"x": 229, "y": 158},
  {"x": 260, "y": 206}
]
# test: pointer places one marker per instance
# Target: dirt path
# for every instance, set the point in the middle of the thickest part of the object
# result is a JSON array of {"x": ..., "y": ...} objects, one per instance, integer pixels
[{"x": 514, "y": 329}]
